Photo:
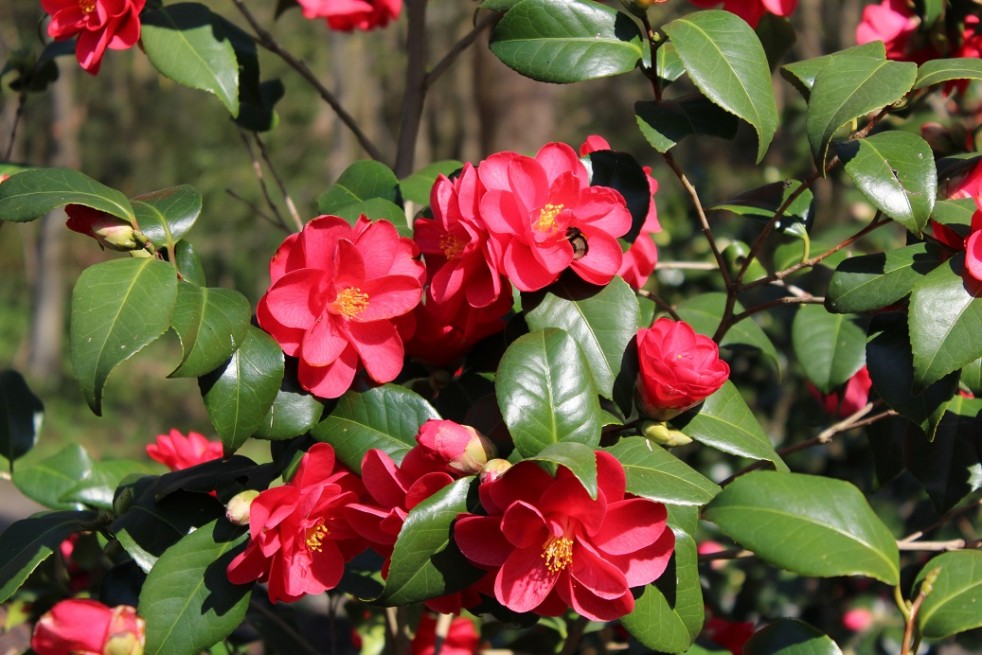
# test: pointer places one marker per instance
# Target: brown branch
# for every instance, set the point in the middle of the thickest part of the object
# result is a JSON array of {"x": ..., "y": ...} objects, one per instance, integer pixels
[
  {"x": 256, "y": 210},
  {"x": 416, "y": 87},
  {"x": 911, "y": 617},
  {"x": 939, "y": 546},
  {"x": 257, "y": 169},
  {"x": 465, "y": 42},
  {"x": 660, "y": 302},
  {"x": 292, "y": 208},
  {"x": 950, "y": 515},
  {"x": 786, "y": 300},
  {"x": 21, "y": 103}
]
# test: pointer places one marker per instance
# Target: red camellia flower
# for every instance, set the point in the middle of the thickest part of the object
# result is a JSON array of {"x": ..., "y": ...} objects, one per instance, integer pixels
[
  {"x": 462, "y": 637},
  {"x": 731, "y": 635},
  {"x": 895, "y": 23},
  {"x": 554, "y": 547},
  {"x": 347, "y": 15},
  {"x": 176, "y": 452},
  {"x": 99, "y": 24},
  {"x": 334, "y": 294},
  {"x": 752, "y": 10},
  {"x": 299, "y": 539},
  {"x": 445, "y": 332},
  {"x": 87, "y": 627},
  {"x": 678, "y": 368},
  {"x": 854, "y": 396},
  {"x": 543, "y": 217}
]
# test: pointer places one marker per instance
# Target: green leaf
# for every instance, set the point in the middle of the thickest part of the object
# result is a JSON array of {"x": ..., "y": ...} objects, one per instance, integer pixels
[
  {"x": 376, "y": 209},
  {"x": 834, "y": 530},
  {"x": 938, "y": 71},
  {"x": 704, "y": 312},
  {"x": 21, "y": 413},
  {"x": 363, "y": 180},
  {"x": 189, "y": 264},
  {"x": 944, "y": 317},
  {"x": 602, "y": 320},
  {"x": 416, "y": 187},
  {"x": 118, "y": 308},
  {"x": 727, "y": 63},
  {"x": 656, "y": 474},
  {"x": 566, "y": 41},
  {"x": 28, "y": 542},
  {"x": 187, "y": 600},
  {"x": 386, "y": 417},
  {"x": 622, "y": 172},
  {"x": 668, "y": 615},
  {"x": 870, "y": 282},
  {"x": 187, "y": 43},
  {"x": 238, "y": 395},
  {"x": 664, "y": 123},
  {"x": 425, "y": 561},
  {"x": 971, "y": 377},
  {"x": 294, "y": 411},
  {"x": 579, "y": 459},
  {"x": 46, "y": 481},
  {"x": 165, "y": 216},
  {"x": 848, "y": 88},
  {"x": 35, "y": 192},
  {"x": 763, "y": 202},
  {"x": 96, "y": 490},
  {"x": 829, "y": 347},
  {"x": 724, "y": 422},
  {"x": 546, "y": 394},
  {"x": 211, "y": 324},
  {"x": 954, "y": 212},
  {"x": 668, "y": 65},
  {"x": 952, "y": 606},
  {"x": 802, "y": 74},
  {"x": 790, "y": 637},
  {"x": 896, "y": 173}
]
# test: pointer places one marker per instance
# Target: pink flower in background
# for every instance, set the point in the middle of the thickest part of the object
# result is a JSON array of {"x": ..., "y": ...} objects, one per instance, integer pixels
[
  {"x": 967, "y": 185},
  {"x": 751, "y": 10},
  {"x": 895, "y": 23},
  {"x": 731, "y": 635},
  {"x": 87, "y": 627},
  {"x": 971, "y": 243},
  {"x": 462, "y": 638},
  {"x": 176, "y": 452},
  {"x": 334, "y": 294},
  {"x": 854, "y": 395},
  {"x": 347, "y": 15},
  {"x": 99, "y": 24}
]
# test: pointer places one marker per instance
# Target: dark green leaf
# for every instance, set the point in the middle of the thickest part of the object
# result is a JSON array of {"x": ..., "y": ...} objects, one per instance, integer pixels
[
  {"x": 28, "y": 542},
  {"x": 664, "y": 123},
  {"x": 189, "y": 264},
  {"x": 187, "y": 600},
  {"x": 46, "y": 481},
  {"x": 654, "y": 473},
  {"x": 725, "y": 422},
  {"x": 165, "y": 216},
  {"x": 937, "y": 71},
  {"x": 954, "y": 212},
  {"x": 97, "y": 488},
  {"x": 971, "y": 377},
  {"x": 727, "y": 63},
  {"x": 704, "y": 312},
  {"x": 870, "y": 282},
  {"x": 896, "y": 173},
  {"x": 187, "y": 43},
  {"x": 790, "y": 637},
  {"x": 546, "y": 393},
  {"x": 566, "y": 40},
  {"x": 763, "y": 202},
  {"x": 20, "y": 416},
  {"x": 834, "y": 530},
  {"x": 118, "y": 308},
  {"x": 425, "y": 561},
  {"x": 375, "y": 209},
  {"x": 848, "y": 88},
  {"x": 229, "y": 476},
  {"x": 238, "y": 395},
  {"x": 621, "y": 172},
  {"x": 256, "y": 98},
  {"x": 35, "y": 192},
  {"x": 416, "y": 188},
  {"x": 802, "y": 74},
  {"x": 579, "y": 459},
  {"x": 363, "y": 180},
  {"x": 952, "y": 606},
  {"x": 386, "y": 417},
  {"x": 294, "y": 411},
  {"x": 211, "y": 324},
  {"x": 829, "y": 347}
]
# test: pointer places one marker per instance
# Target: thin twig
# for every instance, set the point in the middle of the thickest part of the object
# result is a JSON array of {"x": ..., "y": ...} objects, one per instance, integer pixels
[
  {"x": 461, "y": 45},
  {"x": 574, "y": 635},
  {"x": 732, "y": 553},
  {"x": 292, "y": 208},
  {"x": 926, "y": 587},
  {"x": 266, "y": 40},
  {"x": 939, "y": 546},
  {"x": 951, "y": 514},
  {"x": 661, "y": 303},
  {"x": 653, "y": 44},
  {"x": 257, "y": 168},
  {"x": 256, "y": 210},
  {"x": 786, "y": 300},
  {"x": 21, "y": 103},
  {"x": 416, "y": 86},
  {"x": 687, "y": 266}
]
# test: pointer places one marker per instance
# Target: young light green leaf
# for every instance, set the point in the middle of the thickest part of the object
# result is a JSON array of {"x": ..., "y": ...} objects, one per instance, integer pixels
[
  {"x": 654, "y": 473},
  {"x": 211, "y": 324},
  {"x": 830, "y": 347},
  {"x": 938, "y": 71},
  {"x": 118, "y": 308},
  {"x": 790, "y": 637},
  {"x": 165, "y": 216},
  {"x": 20, "y": 416},
  {"x": 870, "y": 282},
  {"x": 33, "y": 193},
  {"x": 896, "y": 173},
  {"x": 186, "y": 42},
  {"x": 727, "y": 63},
  {"x": 955, "y": 595},
  {"x": 664, "y": 123},
  {"x": 46, "y": 481},
  {"x": 566, "y": 41},
  {"x": 834, "y": 530}
]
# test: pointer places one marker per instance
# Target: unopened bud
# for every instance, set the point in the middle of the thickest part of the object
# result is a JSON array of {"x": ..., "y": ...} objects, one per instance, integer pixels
[
  {"x": 237, "y": 510},
  {"x": 493, "y": 470},
  {"x": 663, "y": 435},
  {"x": 127, "y": 633},
  {"x": 464, "y": 449},
  {"x": 110, "y": 231}
]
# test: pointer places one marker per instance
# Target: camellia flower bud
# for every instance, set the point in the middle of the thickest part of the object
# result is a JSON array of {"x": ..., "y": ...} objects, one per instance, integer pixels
[
  {"x": 87, "y": 626},
  {"x": 237, "y": 510},
  {"x": 661, "y": 434},
  {"x": 493, "y": 470},
  {"x": 638, "y": 7},
  {"x": 111, "y": 232},
  {"x": 464, "y": 449}
]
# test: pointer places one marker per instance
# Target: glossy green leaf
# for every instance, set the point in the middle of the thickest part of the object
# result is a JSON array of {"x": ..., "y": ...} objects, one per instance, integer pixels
[
  {"x": 294, "y": 411},
  {"x": 829, "y": 347},
  {"x": 187, "y": 600},
  {"x": 727, "y": 63},
  {"x": 118, "y": 308},
  {"x": 21, "y": 413},
  {"x": 425, "y": 561},
  {"x": 953, "y": 604},
  {"x": 724, "y": 422},
  {"x": 35, "y": 192},
  {"x": 802, "y": 74},
  {"x": 238, "y": 394},
  {"x": 790, "y": 637},
  {"x": 187, "y": 43},
  {"x": 602, "y": 320},
  {"x": 847, "y": 88},
  {"x": 704, "y": 311},
  {"x": 834, "y": 530},
  {"x": 763, "y": 202},
  {"x": 189, "y": 264},
  {"x": 386, "y": 417},
  {"x": 363, "y": 180},
  {"x": 257, "y": 98},
  {"x": 664, "y": 123},
  {"x": 870, "y": 282},
  {"x": 938, "y": 71},
  {"x": 566, "y": 40},
  {"x": 654, "y": 473},
  {"x": 416, "y": 187},
  {"x": 376, "y": 209},
  {"x": 46, "y": 481},
  {"x": 546, "y": 393},
  {"x": 944, "y": 318},
  {"x": 165, "y": 216},
  {"x": 954, "y": 212},
  {"x": 228, "y": 476},
  {"x": 622, "y": 172},
  {"x": 896, "y": 173},
  {"x": 579, "y": 459},
  {"x": 669, "y": 613},
  {"x": 96, "y": 490},
  {"x": 971, "y": 377},
  {"x": 211, "y": 324},
  {"x": 28, "y": 542},
  {"x": 668, "y": 65}
]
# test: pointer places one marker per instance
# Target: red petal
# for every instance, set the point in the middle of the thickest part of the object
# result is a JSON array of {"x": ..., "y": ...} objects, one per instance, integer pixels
[
  {"x": 524, "y": 526},
  {"x": 630, "y": 525},
  {"x": 480, "y": 540},
  {"x": 379, "y": 347},
  {"x": 523, "y": 581}
]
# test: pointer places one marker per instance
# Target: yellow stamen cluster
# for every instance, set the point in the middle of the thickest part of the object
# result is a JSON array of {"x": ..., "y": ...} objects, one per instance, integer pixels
[
  {"x": 547, "y": 217},
  {"x": 558, "y": 554},
  {"x": 315, "y": 537},
  {"x": 451, "y": 246},
  {"x": 351, "y": 302},
  {"x": 87, "y": 6}
]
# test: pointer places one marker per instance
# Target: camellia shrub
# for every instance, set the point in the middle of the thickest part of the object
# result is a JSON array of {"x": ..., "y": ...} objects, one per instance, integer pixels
[{"x": 506, "y": 408}]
